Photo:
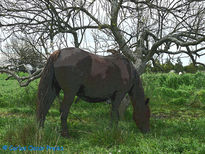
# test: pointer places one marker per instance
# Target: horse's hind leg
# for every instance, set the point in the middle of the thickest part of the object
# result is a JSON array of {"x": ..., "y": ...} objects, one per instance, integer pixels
[{"x": 64, "y": 110}]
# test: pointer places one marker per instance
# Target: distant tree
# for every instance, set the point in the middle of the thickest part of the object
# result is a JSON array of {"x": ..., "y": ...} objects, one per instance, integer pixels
[
  {"x": 178, "y": 67},
  {"x": 20, "y": 52},
  {"x": 23, "y": 55},
  {"x": 156, "y": 66},
  {"x": 168, "y": 66},
  {"x": 191, "y": 68},
  {"x": 28, "y": 55}
]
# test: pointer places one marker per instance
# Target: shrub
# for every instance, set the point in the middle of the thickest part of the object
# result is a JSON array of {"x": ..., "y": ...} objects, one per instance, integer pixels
[
  {"x": 201, "y": 96},
  {"x": 198, "y": 100}
]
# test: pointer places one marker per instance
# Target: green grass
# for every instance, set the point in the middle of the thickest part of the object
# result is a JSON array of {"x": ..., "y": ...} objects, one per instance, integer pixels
[{"x": 177, "y": 122}]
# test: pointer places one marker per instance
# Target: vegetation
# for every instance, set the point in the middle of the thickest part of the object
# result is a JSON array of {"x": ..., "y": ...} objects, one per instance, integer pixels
[
  {"x": 177, "y": 122},
  {"x": 169, "y": 66}
]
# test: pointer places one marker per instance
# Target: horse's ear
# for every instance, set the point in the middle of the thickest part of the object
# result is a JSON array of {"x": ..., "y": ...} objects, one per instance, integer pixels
[{"x": 147, "y": 101}]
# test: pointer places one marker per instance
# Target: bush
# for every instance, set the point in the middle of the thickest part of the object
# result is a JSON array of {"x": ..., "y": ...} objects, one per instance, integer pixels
[
  {"x": 175, "y": 88},
  {"x": 199, "y": 80},
  {"x": 201, "y": 96}
]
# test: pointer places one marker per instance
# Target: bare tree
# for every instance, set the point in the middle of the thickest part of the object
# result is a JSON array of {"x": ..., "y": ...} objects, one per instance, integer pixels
[{"x": 139, "y": 29}]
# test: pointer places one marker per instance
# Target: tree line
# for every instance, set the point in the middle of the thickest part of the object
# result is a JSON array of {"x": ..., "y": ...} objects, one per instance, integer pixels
[{"x": 169, "y": 66}]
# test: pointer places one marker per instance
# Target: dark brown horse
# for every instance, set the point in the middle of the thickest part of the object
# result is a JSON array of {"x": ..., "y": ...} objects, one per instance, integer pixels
[{"x": 94, "y": 79}]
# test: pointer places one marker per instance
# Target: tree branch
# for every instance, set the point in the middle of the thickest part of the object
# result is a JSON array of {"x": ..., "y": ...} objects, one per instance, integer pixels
[{"x": 21, "y": 80}]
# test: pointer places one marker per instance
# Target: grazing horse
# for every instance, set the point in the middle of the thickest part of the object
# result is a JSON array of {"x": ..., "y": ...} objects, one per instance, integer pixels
[{"x": 92, "y": 78}]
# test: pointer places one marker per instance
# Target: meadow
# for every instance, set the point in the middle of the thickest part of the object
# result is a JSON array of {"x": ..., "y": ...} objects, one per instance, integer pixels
[{"x": 177, "y": 104}]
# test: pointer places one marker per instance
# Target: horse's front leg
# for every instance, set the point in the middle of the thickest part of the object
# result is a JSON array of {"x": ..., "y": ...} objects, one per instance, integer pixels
[
  {"x": 116, "y": 100},
  {"x": 64, "y": 110}
]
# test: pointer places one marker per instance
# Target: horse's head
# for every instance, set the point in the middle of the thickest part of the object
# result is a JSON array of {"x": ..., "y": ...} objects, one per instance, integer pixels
[{"x": 142, "y": 117}]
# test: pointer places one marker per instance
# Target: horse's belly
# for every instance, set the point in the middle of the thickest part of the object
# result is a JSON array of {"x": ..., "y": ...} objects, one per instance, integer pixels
[
  {"x": 94, "y": 94},
  {"x": 93, "y": 99}
]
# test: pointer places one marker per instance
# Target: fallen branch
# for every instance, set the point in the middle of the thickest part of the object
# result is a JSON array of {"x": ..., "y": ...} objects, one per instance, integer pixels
[{"x": 21, "y": 80}]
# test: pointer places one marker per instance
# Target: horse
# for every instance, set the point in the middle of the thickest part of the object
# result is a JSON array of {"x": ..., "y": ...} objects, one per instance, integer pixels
[{"x": 92, "y": 78}]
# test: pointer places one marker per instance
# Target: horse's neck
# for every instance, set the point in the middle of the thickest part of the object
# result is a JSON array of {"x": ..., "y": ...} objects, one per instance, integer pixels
[{"x": 137, "y": 95}]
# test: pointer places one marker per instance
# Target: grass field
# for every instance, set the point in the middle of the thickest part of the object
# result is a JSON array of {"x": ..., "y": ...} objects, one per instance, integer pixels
[{"x": 177, "y": 122}]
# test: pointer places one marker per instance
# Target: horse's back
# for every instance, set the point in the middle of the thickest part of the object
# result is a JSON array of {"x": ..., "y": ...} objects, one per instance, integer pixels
[{"x": 70, "y": 57}]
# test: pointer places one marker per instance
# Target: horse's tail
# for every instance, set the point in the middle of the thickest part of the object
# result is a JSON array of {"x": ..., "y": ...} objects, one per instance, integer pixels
[{"x": 48, "y": 89}]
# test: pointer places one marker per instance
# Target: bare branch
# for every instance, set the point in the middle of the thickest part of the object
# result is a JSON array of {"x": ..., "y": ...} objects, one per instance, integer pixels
[{"x": 23, "y": 81}]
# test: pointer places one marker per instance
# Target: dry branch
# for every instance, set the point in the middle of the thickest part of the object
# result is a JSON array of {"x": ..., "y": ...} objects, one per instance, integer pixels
[{"x": 23, "y": 81}]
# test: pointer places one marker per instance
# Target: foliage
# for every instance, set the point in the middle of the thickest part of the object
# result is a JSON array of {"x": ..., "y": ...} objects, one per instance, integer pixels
[
  {"x": 185, "y": 88},
  {"x": 178, "y": 66},
  {"x": 168, "y": 66}
]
